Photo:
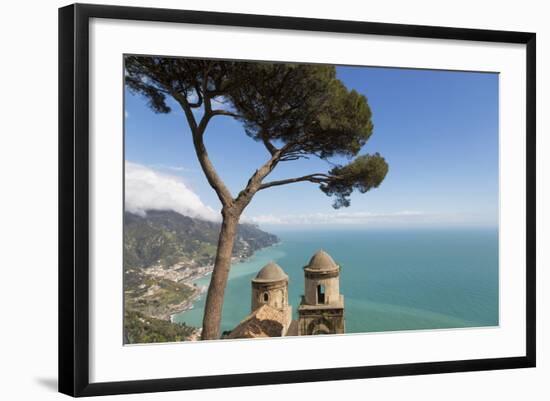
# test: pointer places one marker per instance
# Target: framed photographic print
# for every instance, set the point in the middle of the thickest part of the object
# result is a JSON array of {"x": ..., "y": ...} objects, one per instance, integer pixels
[{"x": 250, "y": 199}]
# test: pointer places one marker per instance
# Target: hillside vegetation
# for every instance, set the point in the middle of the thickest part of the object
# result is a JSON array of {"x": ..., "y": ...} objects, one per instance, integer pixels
[
  {"x": 167, "y": 237},
  {"x": 164, "y": 252}
]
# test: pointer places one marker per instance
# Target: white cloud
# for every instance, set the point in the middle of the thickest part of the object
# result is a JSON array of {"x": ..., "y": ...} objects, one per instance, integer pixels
[
  {"x": 338, "y": 217},
  {"x": 220, "y": 103},
  {"x": 177, "y": 169},
  {"x": 147, "y": 189}
]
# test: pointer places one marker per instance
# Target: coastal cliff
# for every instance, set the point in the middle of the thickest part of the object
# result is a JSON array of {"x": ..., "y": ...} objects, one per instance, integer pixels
[{"x": 164, "y": 253}]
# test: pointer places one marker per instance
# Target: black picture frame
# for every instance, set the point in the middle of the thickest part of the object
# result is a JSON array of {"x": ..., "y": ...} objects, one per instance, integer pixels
[{"x": 74, "y": 198}]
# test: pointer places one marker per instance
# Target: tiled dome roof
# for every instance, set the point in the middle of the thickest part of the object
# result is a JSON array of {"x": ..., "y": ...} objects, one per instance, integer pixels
[
  {"x": 322, "y": 261},
  {"x": 271, "y": 272}
]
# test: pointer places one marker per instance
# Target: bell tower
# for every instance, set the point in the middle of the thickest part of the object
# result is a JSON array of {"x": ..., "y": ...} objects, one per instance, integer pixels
[
  {"x": 321, "y": 310},
  {"x": 270, "y": 287}
]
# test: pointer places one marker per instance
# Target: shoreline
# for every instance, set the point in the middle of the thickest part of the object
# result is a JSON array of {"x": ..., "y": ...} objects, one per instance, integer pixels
[{"x": 190, "y": 303}]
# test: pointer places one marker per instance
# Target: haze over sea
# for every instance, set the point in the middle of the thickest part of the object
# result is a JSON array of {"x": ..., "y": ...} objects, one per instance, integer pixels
[{"x": 391, "y": 279}]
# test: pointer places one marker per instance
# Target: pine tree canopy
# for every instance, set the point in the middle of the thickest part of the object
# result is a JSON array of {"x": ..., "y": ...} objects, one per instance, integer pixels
[{"x": 296, "y": 110}]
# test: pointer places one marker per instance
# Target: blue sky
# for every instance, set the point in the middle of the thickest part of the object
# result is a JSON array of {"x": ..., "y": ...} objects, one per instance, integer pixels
[{"x": 438, "y": 131}]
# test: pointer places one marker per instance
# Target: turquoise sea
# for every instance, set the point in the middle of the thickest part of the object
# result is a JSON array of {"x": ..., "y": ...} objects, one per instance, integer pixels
[{"x": 391, "y": 279}]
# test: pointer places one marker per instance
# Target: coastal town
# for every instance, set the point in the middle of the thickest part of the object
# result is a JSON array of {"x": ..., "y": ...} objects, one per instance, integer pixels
[
  {"x": 183, "y": 276},
  {"x": 157, "y": 288},
  {"x": 165, "y": 291}
]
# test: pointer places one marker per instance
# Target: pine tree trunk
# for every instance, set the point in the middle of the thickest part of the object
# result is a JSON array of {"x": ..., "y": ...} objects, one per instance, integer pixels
[{"x": 214, "y": 299}]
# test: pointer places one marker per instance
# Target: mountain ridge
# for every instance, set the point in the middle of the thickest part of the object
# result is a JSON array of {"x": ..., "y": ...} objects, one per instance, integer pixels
[{"x": 166, "y": 236}]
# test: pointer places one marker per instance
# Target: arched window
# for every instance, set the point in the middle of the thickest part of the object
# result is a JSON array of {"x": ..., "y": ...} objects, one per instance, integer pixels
[{"x": 266, "y": 297}]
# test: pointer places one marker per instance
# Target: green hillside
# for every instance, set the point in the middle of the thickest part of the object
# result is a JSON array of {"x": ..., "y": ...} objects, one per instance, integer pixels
[
  {"x": 139, "y": 328},
  {"x": 164, "y": 252},
  {"x": 166, "y": 238}
]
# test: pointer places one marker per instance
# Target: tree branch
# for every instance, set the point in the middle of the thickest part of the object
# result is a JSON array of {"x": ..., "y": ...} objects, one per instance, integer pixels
[
  {"x": 317, "y": 178},
  {"x": 182, "y": 100},
  {"x": 224, "y": 113},
  {"x": 209, "y": 171},
  {"x": 255, "y": 181},
  {"x": 199, "y": 101},
  {"x": 292, "y": 158},
  {"x": 268, "y": 145}
]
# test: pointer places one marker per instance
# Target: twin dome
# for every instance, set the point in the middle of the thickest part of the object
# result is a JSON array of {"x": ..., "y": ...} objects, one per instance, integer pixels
[
  {"x": 321, "y": 261},
  {"x": 273, "y": 272}
]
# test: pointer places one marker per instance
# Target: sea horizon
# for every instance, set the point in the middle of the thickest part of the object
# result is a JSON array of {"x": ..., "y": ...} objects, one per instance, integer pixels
[{"x": 392, "y": 279}]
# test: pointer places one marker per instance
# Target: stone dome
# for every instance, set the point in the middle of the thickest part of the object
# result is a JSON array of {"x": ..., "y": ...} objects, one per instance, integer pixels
[
  {"x": 321, "y": 261},
  {"x": 271, "y": 272}
]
